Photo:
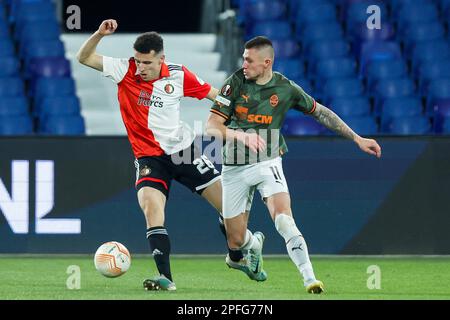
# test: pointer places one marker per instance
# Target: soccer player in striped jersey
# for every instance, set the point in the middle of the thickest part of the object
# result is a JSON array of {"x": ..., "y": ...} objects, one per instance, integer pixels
[
  {"x": 149, "y": 93},
  {"x": 247, "y": 115}
]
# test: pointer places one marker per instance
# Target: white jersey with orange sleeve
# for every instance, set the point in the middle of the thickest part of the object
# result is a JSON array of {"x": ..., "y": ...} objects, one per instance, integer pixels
[{"x": 151, "y": 109}]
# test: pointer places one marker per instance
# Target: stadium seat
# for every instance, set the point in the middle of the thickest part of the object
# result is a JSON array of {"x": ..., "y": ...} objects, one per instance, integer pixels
[
  {"x": 287, "y": 48},
  {"x": 49, "y": 67},
  {"x": 334, "y": 68},
  {"x": 9, "y": 67},
  {"x": 296, "y": 5},
  {"x": 6, "y": 48},
  {"x": 427, "y": 51},
  {"x": 265, "y": 10},
  {"x": 351, "y": 106},
  {"x": 38, "y": 49},
  {"x": 11, "y": 87},
  {"x": 13, "y": 106},
  {"x": 415, "y": 125},
  {"x": 379, "y": 70},
  {"x": 415, "y": 34},
  {"x": 291, "y": 68},
  {"x": 444, "y": 126},
  {"x": 356, "y": 13},
  {"x": 38, "y": 31},
  {"x": 393, "y": 88},
  {"x": 57, "y": 106},
  {"x": 52, "y": 87},
  {"x": 319, "y": 50},
  {"x": 339, "y": 88},
  {"x": 364, "y": 125},
  {"x": 400, "y": 107},
  {"x": 16, "y": 125},
  {"x": 431, "y": 70},
  {"x": 307, "y": 34},
  {"x": 274, "y": 30},
  {"x": 439, "y": 89},
  {"x": 314, "y": 14},
  {"x": 372, "y": 51},
  {"x": 441, "y": 116},
  {"x": 416, "y": 14},
  {"x": 302, "y": 126},
  {"x": 63, "y": 125},
  {"x": 396, "y": 5},
  {"x": 360, "y": 34}
]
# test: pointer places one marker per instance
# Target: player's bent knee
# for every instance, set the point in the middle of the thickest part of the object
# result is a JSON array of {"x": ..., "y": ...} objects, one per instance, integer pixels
[{"x": 286, "y": 226}]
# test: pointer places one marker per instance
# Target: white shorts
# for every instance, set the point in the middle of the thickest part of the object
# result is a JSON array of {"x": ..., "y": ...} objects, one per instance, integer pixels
[{"x": 240, "y": 182}]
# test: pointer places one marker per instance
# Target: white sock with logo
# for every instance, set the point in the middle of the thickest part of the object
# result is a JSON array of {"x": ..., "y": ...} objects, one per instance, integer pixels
[{"x": 296, "y": 246}]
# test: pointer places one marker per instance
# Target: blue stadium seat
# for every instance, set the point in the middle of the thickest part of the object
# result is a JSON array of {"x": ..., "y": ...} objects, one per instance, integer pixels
[
  {"x": 49, "y": 67},
  {"x": 23, "y": 11},
  {"x": 52, "y": 87},
  {"x": 11, "y": 87},
  {"x": 426, "y": 51},
  {"x": 38, "y": 49},
  {"x": 287, "y": 48},
  {"x": 17, "y": 5},
  {"x": 397, "y": 5},
  {"x": 265, "y": 10},
  {"x": 38, "y": 31},
  {"x": 351, "y": 106},
  {"x": 400, "y": 107},
  {"x": 307, "y": 34},
  {"x": 302, "y": 126},
  {"x": 335, "y": 68},
  {"x": 6, "y": 48},
  {"x": 58, "y": 106},
  {"x": 393, "y": 88},
  {"x": 439, "y": 89},
  {"x": 274, "y": 30},
  {"x": 379, "y": 70},
  {"x": 417, "y": 14},
  {"x": 360, "y": 34},
  {"x": 356, "y": 13},
  {"x": 431, "y": 70},
  {"x": 319, "y": 50},
  {"x": 441, "y": 116},
  {"x": 422, "y": 32},
  {"x": 9, "y": 67},
  {"x": 313, "y": 14},
  {"x": 13, "y": 106},
  {"x": 415, "y": 125},
  {"x": 291, "y": 68},
  {"x": 16, "y": 125},
  {"x": 339, "y": 88},
  {"x": 295, "y": 6},
  {"x": 372, "y": 51},
  {"x": 63, "y": 125},
  {"x": 305, "y": 84},
  {"x": 364, "y": 125}
]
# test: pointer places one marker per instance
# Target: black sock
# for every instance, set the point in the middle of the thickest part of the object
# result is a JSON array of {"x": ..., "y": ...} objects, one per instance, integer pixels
[
  {"x": 160, "y": 249},
  {"x": 235, "y": 255}
]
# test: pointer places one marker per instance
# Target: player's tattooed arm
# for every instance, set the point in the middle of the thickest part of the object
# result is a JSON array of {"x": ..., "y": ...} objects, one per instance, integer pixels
[{"x": 332, "y": 121}]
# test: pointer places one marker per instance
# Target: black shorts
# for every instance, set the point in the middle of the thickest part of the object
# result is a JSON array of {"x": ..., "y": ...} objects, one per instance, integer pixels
[{"x": 189, "y": 167}]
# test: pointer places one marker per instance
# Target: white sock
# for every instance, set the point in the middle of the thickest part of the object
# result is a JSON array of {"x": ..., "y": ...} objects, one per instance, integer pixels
[
  {"x": 251, "y": 242},
  {"x": 296, "y": 246}
]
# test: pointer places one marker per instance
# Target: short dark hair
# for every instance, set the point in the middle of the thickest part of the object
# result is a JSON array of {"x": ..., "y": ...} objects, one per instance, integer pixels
[
  {"x": 258, "y": 43},
  {"x": 149, "y": 41}
]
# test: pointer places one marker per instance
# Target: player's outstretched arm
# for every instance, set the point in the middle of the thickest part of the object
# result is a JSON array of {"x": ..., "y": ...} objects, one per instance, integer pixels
[
  {"x": 330, "y": 120},
  {"x": 87, "y": 55},
  {"x": 215, "y": 127}
]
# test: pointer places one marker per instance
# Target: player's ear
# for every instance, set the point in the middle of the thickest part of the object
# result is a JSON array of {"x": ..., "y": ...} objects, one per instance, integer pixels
[{"x": 162, "y": 58}]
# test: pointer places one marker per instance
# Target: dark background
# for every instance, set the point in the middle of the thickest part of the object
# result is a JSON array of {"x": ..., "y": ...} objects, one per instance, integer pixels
[{"x": 168, "y": 16}]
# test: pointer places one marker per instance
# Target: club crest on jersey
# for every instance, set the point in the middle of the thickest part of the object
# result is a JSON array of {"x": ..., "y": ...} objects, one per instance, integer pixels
[
  {"x": 226, "y": 90},
  {"x": 145, "y": 171},
  {"x": 168, "y": 88},
  {"x": 274, "y": 100}
]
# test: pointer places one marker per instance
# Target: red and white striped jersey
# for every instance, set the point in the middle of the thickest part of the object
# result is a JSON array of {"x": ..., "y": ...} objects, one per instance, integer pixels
[{"x": 151, "y": 109}]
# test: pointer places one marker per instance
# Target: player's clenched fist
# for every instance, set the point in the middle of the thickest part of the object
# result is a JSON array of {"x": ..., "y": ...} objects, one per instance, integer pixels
[{"x": 107, "y": 27}]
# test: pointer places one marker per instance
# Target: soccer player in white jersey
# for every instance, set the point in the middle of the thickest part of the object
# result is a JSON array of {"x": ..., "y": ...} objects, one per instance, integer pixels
[{"x": 149, "y": 93}]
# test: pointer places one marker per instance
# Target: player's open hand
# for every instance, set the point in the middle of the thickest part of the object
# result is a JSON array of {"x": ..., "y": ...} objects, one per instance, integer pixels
[
  {"x": 107, "y": 27},
  {"x": 370, "y": 146},
  {"x": 254, "y": 142}
]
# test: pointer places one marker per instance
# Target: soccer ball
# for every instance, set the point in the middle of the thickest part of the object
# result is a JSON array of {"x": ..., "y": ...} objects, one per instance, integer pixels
[{"x": 112, "y": 259}]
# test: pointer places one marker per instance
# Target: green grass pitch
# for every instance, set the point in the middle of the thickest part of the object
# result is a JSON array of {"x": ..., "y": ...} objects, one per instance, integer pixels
[{"x": 208, "y": 278}]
